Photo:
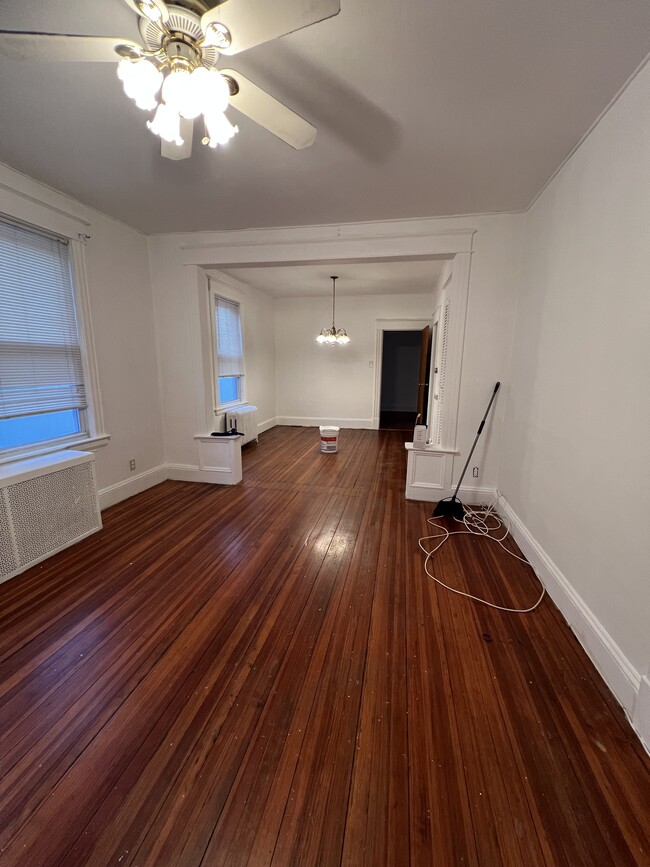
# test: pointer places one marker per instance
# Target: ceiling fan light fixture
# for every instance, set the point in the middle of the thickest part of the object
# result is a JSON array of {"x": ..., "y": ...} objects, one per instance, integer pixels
[
  {"x": 141, "y": 80},
  {"x": 167, "y": 124},
  {"x": 219, "y": 129}
]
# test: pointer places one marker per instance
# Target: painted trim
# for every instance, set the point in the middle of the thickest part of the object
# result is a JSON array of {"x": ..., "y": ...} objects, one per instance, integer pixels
[
  {"x": 641, "y": 717},
  {"x": 80, "y": 284},
  {"x": 267, "y": 424},
  {"x": 615, "y": 668},
  {"x": 469, "y": 496},
  {"x": 298, "y": 421},
  {"x": 382, "y": 239},
  {"x": 36, "y": 211},
  {"x": 113, "y": 494},
  {"x": 388, "y": 325},
  {"x": 190, "y": 473}
]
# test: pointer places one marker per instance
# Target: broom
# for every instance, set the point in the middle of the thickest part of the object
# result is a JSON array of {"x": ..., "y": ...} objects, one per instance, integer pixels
[{"x": 451, "y": 507}]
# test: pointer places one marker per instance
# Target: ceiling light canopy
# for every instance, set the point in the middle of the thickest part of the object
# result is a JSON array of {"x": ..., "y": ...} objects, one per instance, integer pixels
[{"x": 333, "y": 336}]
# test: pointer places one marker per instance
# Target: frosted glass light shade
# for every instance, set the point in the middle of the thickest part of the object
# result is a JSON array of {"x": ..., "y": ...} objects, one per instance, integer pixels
[
  {"x": 167, "y": 124},
  {"x": 176, "y": 89},
  {"x": 141, "y": 80},
  {"x": 209, "y": 91},
  {"x": 219, "y": 128}
]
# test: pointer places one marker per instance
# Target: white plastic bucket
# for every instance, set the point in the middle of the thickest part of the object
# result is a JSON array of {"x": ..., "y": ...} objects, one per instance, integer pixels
[{"x": 329, "y": 438}]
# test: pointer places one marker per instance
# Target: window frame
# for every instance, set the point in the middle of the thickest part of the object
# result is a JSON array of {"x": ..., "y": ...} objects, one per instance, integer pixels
[
  {"x": 214, "y": 293},
  {"x": 91, "y": 418}
]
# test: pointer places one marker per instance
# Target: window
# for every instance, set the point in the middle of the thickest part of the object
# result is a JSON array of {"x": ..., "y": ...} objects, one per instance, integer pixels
[
  {"x": 229, "y": 355},
  {"x": 42, "y": 392}
]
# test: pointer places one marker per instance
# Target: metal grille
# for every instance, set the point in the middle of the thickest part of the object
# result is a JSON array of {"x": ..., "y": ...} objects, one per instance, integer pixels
[
  {"x": 8, "y": 561},
  {"x": 53, "y": 510},
  {"x": 442, "y": 374}
]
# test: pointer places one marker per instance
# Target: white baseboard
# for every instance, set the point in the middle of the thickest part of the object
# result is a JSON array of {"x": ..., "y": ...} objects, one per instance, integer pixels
[
  {"x": 470, "y": 496},
  {"x": 266, "y": 425},
  {"x": 641, "y": 718},
  {"x": 191, "y": 473},
  {"x": 614, "y": 667},
  {"x": 295, "y": 421},
  {"x": 133, "y": 485}
]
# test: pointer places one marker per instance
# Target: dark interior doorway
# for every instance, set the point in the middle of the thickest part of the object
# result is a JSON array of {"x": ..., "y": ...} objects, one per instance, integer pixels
[{"x": 403, "y": 392}]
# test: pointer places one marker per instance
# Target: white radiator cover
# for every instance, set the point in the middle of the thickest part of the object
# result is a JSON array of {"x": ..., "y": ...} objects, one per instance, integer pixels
[
  {"x": 244, "y": 418},
  {"x": 46, "y": 504}
]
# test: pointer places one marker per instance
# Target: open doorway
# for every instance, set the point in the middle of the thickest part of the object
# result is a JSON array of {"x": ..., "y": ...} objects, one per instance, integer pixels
[{"x": 405, "y": 364}]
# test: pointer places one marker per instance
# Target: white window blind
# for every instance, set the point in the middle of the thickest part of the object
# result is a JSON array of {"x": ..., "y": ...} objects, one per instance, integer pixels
[
  {"x": 40, "y": 356},
  {"x": 229, "y": 345}
]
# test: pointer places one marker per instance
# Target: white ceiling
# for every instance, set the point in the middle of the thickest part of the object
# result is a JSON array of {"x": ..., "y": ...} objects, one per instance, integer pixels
[
  {"x": 358, "y": 278},
  {"x": 424, "y": 108}
]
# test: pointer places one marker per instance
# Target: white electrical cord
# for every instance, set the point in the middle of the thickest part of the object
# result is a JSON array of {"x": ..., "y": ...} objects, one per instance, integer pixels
[{"x": 477, "y": 522}]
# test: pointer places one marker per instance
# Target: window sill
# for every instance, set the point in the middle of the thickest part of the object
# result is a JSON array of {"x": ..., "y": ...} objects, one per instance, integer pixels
[
  {"x": 90, "y": 443},
  {"x": 227, "y": 407},
  {"x": 429, "y": 449}
]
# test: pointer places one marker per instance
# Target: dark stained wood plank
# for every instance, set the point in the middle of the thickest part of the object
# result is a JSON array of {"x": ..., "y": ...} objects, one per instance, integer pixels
[{"x": 265, "y": 676}]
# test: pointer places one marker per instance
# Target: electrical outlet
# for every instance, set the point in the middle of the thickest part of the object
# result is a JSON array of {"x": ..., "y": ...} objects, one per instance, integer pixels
[
  {"x": 132, "y": 464},
  {"x": 475, "y": 472}
]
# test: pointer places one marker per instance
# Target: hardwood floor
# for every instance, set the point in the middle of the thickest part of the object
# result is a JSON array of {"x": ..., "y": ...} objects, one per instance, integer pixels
[{"x": 263, "y": 675}]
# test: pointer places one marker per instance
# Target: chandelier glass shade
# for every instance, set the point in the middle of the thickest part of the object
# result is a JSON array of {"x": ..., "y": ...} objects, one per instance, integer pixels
[
  {"x": 178, "y": 92},
  {"x": 333, "y": 336}
]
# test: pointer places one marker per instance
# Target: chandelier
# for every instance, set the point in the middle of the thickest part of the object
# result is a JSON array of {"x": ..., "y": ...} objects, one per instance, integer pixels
[
  {"x": 333, "y": 336},
  {"x": 174, "y": 81}
]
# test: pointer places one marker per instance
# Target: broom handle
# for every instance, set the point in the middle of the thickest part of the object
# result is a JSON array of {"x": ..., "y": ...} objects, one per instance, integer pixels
[{"x": 478, "y": 434}]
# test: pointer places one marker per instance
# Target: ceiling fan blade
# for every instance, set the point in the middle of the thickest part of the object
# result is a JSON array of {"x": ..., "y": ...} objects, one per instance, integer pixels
[
  {"x": 264, "y": 109},
  {"x": 60, "y": 46},
  {"x": 252, "y": 22},
  {"x": 171, "y": 151}
]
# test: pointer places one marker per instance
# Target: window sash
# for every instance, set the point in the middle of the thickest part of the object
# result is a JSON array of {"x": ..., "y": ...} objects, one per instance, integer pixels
[
  {"x": 229, "y": 352},
  {"x": 41, "y": 367}
]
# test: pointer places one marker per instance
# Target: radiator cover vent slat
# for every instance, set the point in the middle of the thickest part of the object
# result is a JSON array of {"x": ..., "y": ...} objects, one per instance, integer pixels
[
  {"x": 8, "y": 554},
  {"x": 46, "y": 510}
]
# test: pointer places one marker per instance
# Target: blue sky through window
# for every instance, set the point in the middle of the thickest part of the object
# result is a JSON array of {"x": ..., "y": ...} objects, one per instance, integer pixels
[
  {"x": 25, "y": 430},
  {"x": 228, "y": 389}
]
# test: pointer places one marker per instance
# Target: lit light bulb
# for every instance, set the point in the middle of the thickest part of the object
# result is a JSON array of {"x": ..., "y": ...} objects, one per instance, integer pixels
[
  {"x": 167, "y": 124},
  {"x": 320, "y": 338},
  {"x": 141, "y": 80},
  {"x": 219, "y": 128}
]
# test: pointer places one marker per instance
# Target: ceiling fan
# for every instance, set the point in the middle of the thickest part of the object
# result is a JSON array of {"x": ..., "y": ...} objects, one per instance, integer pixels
[{"x": 175, "y": 71}]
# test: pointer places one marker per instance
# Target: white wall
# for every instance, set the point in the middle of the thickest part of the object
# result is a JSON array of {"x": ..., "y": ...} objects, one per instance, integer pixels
[
  {"x": 309, "y": 376},
  {"x": 119, "y": 289},
  {"x": 182, "y": 315},
  {"x": 574, "y": 457},
  {"x": 489, "y": 327},
  {"x": 319, "y": 384}
]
